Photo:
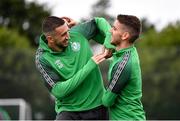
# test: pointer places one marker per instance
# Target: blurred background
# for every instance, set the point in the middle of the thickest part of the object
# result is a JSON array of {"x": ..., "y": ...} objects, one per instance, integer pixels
[{"x": 22, "y": 93}]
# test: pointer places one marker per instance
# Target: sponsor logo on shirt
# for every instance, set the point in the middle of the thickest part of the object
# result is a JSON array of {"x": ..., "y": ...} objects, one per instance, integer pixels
[
  {"x": 75, "y": 46},
  {"x": 59, "y": 64}
]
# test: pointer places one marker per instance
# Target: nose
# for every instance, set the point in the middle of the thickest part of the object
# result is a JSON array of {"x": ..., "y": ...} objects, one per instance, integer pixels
[
  {"x": 110, "y": 30},
  {"x": 67, "y": 36}
]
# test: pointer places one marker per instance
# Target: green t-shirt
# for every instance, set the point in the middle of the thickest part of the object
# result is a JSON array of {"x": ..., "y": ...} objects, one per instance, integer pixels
[
  {"x": 72, "y": 76},
  {"x": 124, "y": 92}
]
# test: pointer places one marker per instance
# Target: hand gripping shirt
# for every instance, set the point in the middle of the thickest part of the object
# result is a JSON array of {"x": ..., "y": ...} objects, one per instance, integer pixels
[
  {"x": 124, "y": 92},
  {"x": 72, "y": 76}
]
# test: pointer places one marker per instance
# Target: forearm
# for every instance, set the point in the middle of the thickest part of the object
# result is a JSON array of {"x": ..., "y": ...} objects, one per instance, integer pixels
[
  {"x": 108, "y": 98},
  {"x": 104, "y": 31},
  {"x": 62, "y": 89}
]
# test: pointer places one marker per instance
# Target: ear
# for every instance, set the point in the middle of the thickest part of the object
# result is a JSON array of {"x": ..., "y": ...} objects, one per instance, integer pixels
[
  {"x": 49, "y": 39},
  {"x": 125, "y": 36}
]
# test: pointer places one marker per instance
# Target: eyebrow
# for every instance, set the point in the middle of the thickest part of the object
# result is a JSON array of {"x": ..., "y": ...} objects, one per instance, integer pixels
[
  {"x": 114, "y": 27},
  {"x": 65, "y": 32}
]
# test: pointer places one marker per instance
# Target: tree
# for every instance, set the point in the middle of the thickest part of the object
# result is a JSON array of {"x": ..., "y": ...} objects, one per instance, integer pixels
[
  {"x": 146, "y": 25},
  {"x": 18, "y": 75},
  {"x": 100, "y": 9},
  {"x": 23, "y": 16},
  {"x": 160, "y": 61}
]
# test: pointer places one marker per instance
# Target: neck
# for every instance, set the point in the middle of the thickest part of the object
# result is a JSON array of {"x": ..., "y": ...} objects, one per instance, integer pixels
[
  {"x": 123, "y": 45},
  {"x": 55, "y": 48}
]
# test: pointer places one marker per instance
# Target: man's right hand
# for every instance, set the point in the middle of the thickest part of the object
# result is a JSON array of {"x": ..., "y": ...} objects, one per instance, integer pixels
[
  {"x": 70, "y": 22},
  {"x": 107, "y": 52},
  {"x": 99, "y": 58}
]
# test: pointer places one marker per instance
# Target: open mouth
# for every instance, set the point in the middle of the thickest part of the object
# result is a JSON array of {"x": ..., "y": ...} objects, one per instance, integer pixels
[{"x": 66, "y": 42}]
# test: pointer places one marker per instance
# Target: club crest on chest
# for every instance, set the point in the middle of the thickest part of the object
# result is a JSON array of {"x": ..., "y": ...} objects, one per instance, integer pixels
[{"x": 75, "y": 46}]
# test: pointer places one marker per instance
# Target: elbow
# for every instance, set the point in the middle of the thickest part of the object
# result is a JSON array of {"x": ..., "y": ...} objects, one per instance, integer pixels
[
  {"x": 57, "y": 93},
  {"x": 58, "y": 96},
  {"x": 106, "y": 102}
]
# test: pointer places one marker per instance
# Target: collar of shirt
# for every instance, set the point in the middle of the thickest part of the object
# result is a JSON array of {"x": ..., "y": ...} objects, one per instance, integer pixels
[
  {"x": 122, "y": 51},
  {"x": 44, "y": 46}
]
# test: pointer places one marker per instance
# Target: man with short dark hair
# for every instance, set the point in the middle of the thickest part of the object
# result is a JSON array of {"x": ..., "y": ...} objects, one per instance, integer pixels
[
  {"x": 124, "y": 92},
  {"x": 71, "y": 74}
]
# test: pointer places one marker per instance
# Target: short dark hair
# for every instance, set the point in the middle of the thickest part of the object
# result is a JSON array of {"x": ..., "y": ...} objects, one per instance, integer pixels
[
  {"x": 50, "y": 23},
  {"x": 133, "y": 23}
]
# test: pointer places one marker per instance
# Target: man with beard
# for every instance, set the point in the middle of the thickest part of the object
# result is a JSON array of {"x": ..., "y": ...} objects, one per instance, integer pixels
[
  {"x": 124, "y": 92},
  {"x": 64, "y": 59}
]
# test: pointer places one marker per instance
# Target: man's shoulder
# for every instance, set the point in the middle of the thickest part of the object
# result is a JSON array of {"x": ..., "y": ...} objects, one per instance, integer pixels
[
  {"x": 40, "y": 55},
  {"x": 75, "y": 34},
  {"x": 124, "y": 61}
]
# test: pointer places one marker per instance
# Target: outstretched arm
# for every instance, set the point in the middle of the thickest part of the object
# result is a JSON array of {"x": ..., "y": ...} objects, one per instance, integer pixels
[
  {"x": 61, "y": 88},
  {"x": 97, "y": 29}
]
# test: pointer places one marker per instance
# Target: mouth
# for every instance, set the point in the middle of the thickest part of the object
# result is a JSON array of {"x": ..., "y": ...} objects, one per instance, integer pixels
[
  {"x": 66, "y": 42},
  {"x": 112, "y": 42}
]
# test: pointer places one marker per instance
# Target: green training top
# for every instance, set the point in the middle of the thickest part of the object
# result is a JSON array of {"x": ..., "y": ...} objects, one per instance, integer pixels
[
  {"x": 124, "y": 92},
  {"x": 72, "y": 76}
]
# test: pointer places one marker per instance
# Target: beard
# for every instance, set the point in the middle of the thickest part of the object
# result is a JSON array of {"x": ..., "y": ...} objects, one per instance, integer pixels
[
  {"x": 116, "y": 42},
  {"x": 63, "y": 45}
]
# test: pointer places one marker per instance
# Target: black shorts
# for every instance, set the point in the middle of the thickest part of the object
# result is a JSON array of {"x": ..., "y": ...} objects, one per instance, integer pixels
[{"x": 98, "y": 113}]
